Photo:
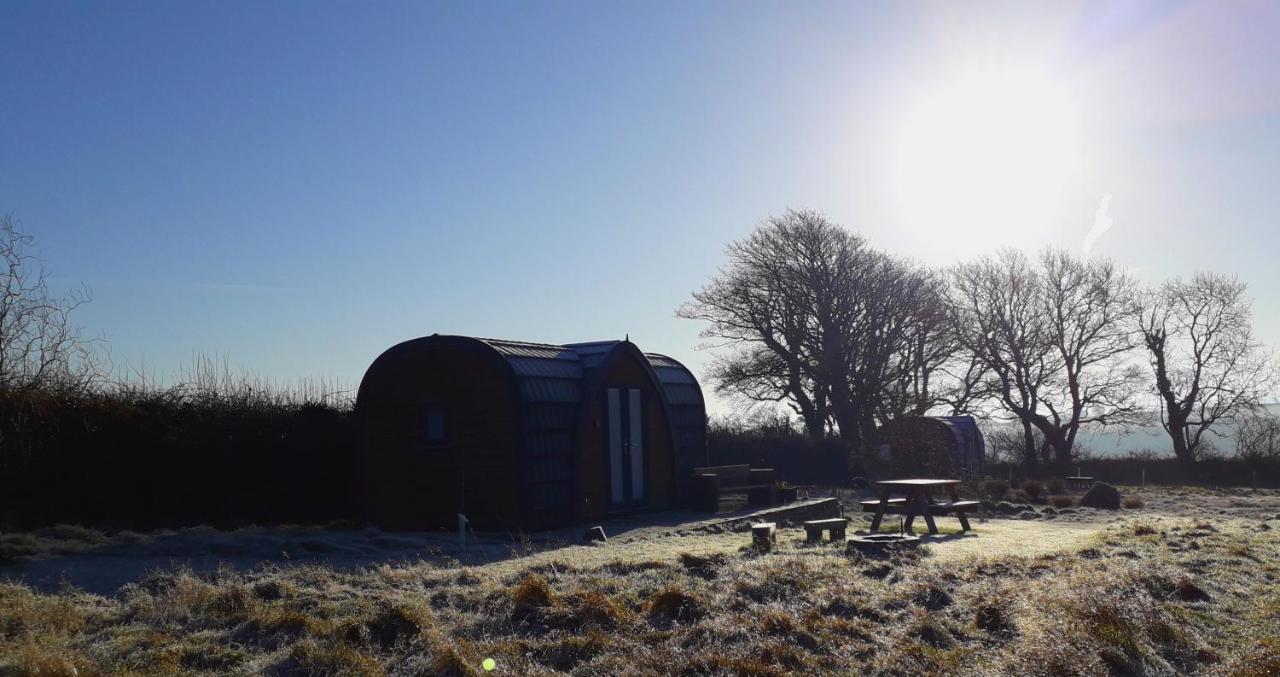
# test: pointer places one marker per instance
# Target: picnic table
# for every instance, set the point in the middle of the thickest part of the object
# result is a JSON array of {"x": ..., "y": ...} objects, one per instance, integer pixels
[
  {"x": 916, "y": 501},
  {"x": 1080, "y": 482}
]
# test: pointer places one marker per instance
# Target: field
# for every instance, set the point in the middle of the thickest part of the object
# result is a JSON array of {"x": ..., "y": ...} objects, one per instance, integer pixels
[{"x": 1186, "y": 584}]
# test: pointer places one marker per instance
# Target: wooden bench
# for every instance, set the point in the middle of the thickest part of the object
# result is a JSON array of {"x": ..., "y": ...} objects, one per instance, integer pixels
[
  {"x": 835, "y": 526},
  {"x": 758, "y": 483},
  {"x": 898, "y": 506}
]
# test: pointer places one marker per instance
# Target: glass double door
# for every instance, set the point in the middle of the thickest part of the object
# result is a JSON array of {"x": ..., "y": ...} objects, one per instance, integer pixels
[{"x": 626, "y": 446}]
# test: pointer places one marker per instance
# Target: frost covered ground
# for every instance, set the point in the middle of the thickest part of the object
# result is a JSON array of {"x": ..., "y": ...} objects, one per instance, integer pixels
[{"x": 1186, "y": 584}]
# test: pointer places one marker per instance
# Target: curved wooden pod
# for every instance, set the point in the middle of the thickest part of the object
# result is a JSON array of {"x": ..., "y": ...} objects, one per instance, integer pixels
[{"x": 527, "y": 443}]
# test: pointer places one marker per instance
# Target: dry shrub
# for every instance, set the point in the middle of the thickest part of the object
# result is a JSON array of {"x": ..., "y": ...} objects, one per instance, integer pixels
[
  {"x": 995, "y": 616},
  {"x": 782, "y": 654},
  {"x": 1133, "y": 502},
  {"x": 184, "y": 598},
  {"x": 331, "y": 658},
  {"x": 931, "y": 595},
  {"x": 927, "y": 628},
  {"x": 273, "y": 590},
  {"x": 398, "y": 622},
  {"x": 446, "y": 661},
  {"x": 591, "y": 609},
  {"x": 1055, "y": 486},
  {"x": 844, "y": 629},
  {"x": 213, "y": 658},
  {"x": 530, "y": 596},
  {"x": 1143, "y": 530},
  {"x": 675, "y": 605},
  {"x": 1034, "y": 489},
  {"x": 847, "y": 609},
  {"x": 43, "y": 659},
  {"x": 566, "y": 652},
  {"x": 777, "y": 622},
  {"x": 1062, "y": 501},
  {"x": 272, "y": 627},
  {"x": 14, "y": 547},
  {"x": 703, "y": 566},
  {"x": 72, "y": 532},
  {"x": 995, "y": 489},
  {"x": 1174, "y": 584},
  {"x": 25, "y": 614},
  {"x": 781, "y": 581}
]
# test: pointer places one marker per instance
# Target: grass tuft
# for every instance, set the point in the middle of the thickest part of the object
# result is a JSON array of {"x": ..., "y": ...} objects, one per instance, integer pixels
[{"x": 675, "y": 605}]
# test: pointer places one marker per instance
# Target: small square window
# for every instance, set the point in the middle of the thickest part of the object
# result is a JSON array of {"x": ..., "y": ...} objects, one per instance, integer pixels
[{"x": 435, "y": 430}]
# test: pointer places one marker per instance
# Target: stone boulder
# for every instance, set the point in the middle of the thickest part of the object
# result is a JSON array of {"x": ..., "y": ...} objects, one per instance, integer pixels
[{"x": 1101, "y": 495}]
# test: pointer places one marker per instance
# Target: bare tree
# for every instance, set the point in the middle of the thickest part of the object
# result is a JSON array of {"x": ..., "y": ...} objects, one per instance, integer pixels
[
  {"x": 751, "y": 308},
  {"x": 756, "y": 374},
  {"x": 919, "y": 380},
  {"x": 819, "y": 319},
  {"x": 1208, "y": 368},
  {"x": 1007, "y": 443},
  {"x": 966, "y": 383},
  {"x": 1052, "y": 335},
  {"x": 1257, "y": 438},
  {"x": 40, "y": 347}
]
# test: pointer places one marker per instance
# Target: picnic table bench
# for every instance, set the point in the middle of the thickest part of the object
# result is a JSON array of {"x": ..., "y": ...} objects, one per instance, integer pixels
[
  {"x": 1080, "y": 482},
  {"x": 918, "y": 502},
  {"x": 758, "y": 483}
]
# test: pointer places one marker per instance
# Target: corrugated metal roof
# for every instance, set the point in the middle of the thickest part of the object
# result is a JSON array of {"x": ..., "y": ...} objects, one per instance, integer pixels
[
  {"x": 546, "y": 368},
  {"x": 675, "y": 376},
  {"x": 543, "y": 351},
  {"x": 659, "y": 360},
  {"x": 681, "y": 393}
]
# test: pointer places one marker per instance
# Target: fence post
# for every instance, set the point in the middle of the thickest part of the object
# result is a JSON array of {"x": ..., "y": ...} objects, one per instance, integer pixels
[{"x": 1144, "y": 477}]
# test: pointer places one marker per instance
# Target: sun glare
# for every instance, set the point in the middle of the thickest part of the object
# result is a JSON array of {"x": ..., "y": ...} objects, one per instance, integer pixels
[{"x": 987, "y": 155}]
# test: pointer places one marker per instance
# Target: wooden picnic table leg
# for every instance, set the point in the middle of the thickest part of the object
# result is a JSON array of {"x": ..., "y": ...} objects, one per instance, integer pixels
[
  {"x": 928, "y": 514},
  {"x": 911, "y": 506},
  {"x": 880, "y": 509},
  {"x": 955, "y": 498}
]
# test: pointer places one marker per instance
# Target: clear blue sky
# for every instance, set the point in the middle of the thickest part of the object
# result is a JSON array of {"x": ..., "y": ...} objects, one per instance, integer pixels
[{"x": 297, "y": 186}]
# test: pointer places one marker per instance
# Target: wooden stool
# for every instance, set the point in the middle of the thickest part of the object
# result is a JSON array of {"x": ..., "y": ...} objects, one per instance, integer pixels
[
  {"x": 764, "y": 535},
  {"x": 835, "y": 526}
]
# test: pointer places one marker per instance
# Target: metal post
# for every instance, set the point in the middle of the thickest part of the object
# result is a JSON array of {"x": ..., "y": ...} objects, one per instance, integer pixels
[
  {"x": 1144, "y": 477},
  {"x": 462, "y": 529}
]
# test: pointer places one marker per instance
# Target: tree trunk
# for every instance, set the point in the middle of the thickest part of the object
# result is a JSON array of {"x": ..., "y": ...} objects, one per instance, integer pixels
[
  {"x": 1177, "y": 431},
  {"x": 1061, "y": 451},
  {"x": 1030, "y": 454},
  {"x": 846, "y": 415}
]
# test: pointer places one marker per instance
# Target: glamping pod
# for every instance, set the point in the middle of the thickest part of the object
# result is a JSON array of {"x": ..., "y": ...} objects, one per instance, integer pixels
[
  {"x": 524, "y": 435},
  {"x": 941, "y": 446}
]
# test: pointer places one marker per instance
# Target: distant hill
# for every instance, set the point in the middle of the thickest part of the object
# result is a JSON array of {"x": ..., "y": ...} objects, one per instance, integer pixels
[{"x": 1119, "y": 443}]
